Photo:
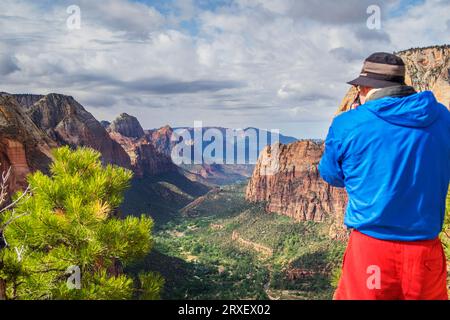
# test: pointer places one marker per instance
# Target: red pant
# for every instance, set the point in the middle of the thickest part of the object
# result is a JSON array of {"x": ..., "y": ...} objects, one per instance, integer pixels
[{"x": 376, "y": 269}]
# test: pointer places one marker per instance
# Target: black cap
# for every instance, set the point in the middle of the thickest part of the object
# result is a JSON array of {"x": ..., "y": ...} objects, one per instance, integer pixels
[{"x": 381, "y": 70}]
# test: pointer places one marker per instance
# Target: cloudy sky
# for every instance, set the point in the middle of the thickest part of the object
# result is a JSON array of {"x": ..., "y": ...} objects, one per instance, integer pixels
[{"x": 273, "y": 64}]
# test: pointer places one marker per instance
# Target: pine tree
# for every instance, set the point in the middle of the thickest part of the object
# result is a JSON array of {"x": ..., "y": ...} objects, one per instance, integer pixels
[{"x": 70, "y": 224}]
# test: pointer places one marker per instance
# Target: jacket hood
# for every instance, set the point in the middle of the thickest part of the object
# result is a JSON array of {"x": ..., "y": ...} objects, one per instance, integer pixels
[{"x": 416, "y": 110}]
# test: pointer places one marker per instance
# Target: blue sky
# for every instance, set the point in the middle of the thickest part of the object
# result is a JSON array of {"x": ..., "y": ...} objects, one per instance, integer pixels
[
  {"x": 400, "y": 8},
  {"x": 273, "y": 64}
]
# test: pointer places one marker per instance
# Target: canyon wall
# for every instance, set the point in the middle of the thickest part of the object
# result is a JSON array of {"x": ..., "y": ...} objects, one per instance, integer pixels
[
  {"x": 68, "y": 123},
  {"x": 32, "y": 125},
  {"x": 286, "y": 179},
  {"x": 23, "y": 146}
]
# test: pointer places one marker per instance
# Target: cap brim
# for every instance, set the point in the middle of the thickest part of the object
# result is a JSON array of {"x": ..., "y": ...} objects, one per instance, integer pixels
[{"x": 373, "y": 83}]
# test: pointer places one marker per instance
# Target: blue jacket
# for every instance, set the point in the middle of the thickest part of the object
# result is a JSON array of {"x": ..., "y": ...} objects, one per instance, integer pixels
[{"x": 393, "y": 157}]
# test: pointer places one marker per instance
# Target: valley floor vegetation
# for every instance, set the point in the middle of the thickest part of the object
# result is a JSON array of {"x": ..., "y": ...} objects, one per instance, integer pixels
[{"x": 227, "y": 248}]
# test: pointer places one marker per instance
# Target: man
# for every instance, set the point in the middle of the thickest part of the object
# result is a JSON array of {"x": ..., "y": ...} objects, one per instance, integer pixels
[{"x": 392, "y": 154}]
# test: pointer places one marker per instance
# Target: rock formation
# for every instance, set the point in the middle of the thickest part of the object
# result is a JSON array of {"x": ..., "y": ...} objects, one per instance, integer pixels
[
  {"x": 68, "y": 123},
  {"x": 127, "y": 126},
  {"x": 105, "y": 124},
  {"x": 287, "y": 180},
  {"x": 145, "y": 158},
  {"x": 429, "y": 69},
  {"x": 27, "y": 100},
  {"x": 161, "y": 139},
  {"x": 23, "y": 146},
  {"x": 212, "y": 173},
  {"x": 31, "y": 125}
]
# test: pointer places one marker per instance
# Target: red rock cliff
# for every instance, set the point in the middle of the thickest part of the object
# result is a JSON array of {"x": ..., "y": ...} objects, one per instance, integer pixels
[
  {"x": 146, "y": 158},
  {"x": 31, "y": 125},
  {"x": 23, "y": 146},
  {"x": 288, "y": 181},
  {"x": 68, "y": 123}
]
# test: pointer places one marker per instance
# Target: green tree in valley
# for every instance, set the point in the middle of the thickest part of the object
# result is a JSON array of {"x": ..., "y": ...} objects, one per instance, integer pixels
[{"x": 69, "y": 223}]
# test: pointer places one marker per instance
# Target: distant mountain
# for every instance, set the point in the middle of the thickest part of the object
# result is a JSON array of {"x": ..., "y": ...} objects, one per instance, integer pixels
[
  {"x": 208, "y": 171},
  {"x": 141, "y": 144},
  {"x": 249, "y": 138},
  {"x": 145, "y": 158}
]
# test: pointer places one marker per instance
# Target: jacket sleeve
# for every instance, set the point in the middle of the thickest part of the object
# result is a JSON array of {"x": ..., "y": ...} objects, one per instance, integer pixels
[{"x": 330, "y": 166}]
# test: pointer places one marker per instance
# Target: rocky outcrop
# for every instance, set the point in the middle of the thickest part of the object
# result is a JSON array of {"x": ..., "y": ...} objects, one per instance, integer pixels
[
  {"x": 127, "y": 126},
  {"x": 287, "y": 180},
  {"x": 161, "y": 139},
  {"x": 426, "y": 69},
  {"x": 23, "y": 146},
  {"x": 105, "y": 124},
  {"x": 145, "y": 158},
  {"x": 429, "y": 69},
  {"x": 68, "y": 123},
  {"x": 27, "y": 100}
]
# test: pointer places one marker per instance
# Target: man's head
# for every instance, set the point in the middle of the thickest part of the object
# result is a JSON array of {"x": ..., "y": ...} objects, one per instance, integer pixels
[{"x": 380, "y": 70}]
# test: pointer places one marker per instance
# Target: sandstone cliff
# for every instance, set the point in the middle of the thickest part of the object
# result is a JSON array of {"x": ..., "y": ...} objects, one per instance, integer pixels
[
  {"x": 127, "y": 126},
  {"x": 145, "y": 158},
  {"x": 31, "y": 125},
  {"x": 23, "y": 146},
  {"x": 27, "y": 100},
  {"x": 161, "y": 139},
  {"x": 68, "y": 123},
  {"x": 429, "y": 69},
  {"x": 287, "y": 180}
]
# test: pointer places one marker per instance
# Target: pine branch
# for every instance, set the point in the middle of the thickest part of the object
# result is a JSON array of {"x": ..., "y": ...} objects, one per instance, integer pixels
[
  {"x": 12, "y": 219},
  {"x": 4, "y": 185},
  {"x": 49, "y": 270},
  {"x": 3, "y": 194},
  {"x": 26, "y": 193}
]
